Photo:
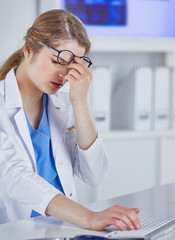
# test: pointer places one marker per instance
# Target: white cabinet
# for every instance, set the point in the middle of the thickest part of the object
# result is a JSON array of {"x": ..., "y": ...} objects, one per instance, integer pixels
[
  {"x": 132, "y": 166},
  {"x": 137, "y": 161},
  {"x": 167, "y": 160}
]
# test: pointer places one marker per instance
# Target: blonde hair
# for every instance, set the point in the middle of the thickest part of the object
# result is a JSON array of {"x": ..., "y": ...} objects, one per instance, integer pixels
[{"x": 50, "y": 27}]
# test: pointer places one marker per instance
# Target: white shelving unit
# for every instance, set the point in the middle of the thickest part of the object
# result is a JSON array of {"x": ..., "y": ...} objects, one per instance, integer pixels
[
  {"x": 123, "y": 135},
  {"x": 128, "y": 45},
  {"x": 111, "y": 44}
]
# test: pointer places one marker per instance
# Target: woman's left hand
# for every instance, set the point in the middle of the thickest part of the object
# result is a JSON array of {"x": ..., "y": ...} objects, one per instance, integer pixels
[{"x": 79, "y": 78}]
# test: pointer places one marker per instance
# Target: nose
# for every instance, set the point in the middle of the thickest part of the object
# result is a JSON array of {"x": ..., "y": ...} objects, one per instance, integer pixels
[{"x": 63, "y": 71}]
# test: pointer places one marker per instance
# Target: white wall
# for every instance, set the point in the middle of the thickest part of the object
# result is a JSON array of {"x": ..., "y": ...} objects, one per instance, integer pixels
[{"x": 15, "y": 18}]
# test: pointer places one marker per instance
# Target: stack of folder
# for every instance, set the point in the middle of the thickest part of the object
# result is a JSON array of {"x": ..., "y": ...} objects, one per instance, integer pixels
[{"x": 146, "y": 101}]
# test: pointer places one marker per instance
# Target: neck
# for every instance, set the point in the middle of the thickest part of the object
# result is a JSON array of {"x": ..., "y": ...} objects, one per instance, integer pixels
[{"x": 30, "y": 94}]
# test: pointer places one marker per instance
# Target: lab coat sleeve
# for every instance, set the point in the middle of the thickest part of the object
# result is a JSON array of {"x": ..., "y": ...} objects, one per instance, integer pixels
[
  {"x": 91, "y": 164},
  {"x": 18, "y": 180}
]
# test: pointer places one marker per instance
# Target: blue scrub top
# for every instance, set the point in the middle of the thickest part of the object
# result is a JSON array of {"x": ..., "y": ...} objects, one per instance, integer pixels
[{"x": 43, "y": 151}]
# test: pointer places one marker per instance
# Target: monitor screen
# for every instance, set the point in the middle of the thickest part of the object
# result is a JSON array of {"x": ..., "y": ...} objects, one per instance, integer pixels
[{"x": 125, "y": 18}]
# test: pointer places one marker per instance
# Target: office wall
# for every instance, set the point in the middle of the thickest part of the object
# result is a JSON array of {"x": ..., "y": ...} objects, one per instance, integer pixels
[{"x": 15, "y": 18}]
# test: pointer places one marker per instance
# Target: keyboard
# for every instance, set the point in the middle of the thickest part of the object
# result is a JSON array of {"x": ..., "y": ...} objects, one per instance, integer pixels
[{"x": 148, "y": 226}]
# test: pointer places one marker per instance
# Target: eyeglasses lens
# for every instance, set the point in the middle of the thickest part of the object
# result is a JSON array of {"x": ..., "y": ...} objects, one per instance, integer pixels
[
  {"x": 65, "y": 57},
  {"x": 87, "y": 61}
]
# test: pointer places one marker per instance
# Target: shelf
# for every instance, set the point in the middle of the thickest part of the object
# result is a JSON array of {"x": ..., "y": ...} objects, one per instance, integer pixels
[
  {"x": 107, "y": 44},
  {"x": 119, "y": 135}
]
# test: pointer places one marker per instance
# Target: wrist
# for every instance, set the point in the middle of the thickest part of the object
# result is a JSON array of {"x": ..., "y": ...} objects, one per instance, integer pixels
[
  {"x": 80, "y": 105},
  {"x": 87, "y": 222}
]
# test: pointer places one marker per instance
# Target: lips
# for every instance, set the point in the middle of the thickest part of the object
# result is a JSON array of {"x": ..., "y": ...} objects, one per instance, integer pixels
[{"x": 56, "y": 85}]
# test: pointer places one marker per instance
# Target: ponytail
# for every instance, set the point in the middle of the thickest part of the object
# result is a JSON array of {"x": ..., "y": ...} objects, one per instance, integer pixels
[{"x": 13, "y": 61}]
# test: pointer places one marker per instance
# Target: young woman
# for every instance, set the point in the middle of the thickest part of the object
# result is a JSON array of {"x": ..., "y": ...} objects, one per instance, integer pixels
[{"x": 47, "y": 136}]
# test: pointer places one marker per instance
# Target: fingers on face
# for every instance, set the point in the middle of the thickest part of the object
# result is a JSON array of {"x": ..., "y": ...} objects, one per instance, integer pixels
[
  {"x": 73, "y": 73},
  {"x": 79, "y": 65},
  {"x": 81, "y": 62},
  {"x": 77, "y": 71}
]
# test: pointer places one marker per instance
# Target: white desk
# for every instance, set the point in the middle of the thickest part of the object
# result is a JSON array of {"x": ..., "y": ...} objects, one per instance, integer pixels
[{"x": 159, "y": 201}]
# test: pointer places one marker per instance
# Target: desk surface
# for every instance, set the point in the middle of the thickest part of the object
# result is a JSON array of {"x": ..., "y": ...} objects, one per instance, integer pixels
[{"x": 159, "y": 201}]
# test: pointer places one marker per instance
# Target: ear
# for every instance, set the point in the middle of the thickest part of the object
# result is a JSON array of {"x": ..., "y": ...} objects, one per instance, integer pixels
[{"x": 27, "y": 51}]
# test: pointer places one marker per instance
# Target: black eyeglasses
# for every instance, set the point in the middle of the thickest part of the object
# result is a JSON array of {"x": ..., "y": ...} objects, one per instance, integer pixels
[{"x": 65, "y": 57}]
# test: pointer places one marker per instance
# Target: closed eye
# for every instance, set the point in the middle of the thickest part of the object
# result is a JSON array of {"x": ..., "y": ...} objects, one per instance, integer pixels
[
  {"x": 63, "y": 61},
  {"x": 55, "y": 62}
]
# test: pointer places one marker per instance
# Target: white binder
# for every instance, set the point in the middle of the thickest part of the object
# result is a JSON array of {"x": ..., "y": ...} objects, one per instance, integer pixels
[
  {"x": 172, "y": 98},
  {"x": 143, "y": 99},
  {"x": 100, "y": 97},
  {"x": 161, "y": 98},
  {"x": 133, "y": 101}
]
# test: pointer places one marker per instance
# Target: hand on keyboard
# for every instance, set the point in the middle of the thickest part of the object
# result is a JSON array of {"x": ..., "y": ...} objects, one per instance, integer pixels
[
  {"x": 115, "y": 216},
  {"x": 147, "y": 226}
]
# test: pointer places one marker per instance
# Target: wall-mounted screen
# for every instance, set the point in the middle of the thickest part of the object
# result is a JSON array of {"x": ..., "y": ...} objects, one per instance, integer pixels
[
  {"x": 125, "y": 18},
  {"x": 99, "y": 12}
]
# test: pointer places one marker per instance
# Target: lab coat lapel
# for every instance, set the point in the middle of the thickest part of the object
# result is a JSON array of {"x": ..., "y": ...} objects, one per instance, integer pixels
[
  {"x": 21, "y": 124},
  {"x": 58, "y": 119},
  {"x": 14, "y": 104},
  {"x": 57, "y": 122}
]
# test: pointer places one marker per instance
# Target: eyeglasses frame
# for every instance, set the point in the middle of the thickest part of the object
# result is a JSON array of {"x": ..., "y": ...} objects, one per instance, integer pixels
[{"x": 60, "y": 51}]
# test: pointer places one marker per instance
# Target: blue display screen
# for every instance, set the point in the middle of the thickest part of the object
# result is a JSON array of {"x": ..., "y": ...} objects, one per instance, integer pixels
[
  {"x": 125, "y": 18},
  {"x": 99, "y": 12}
]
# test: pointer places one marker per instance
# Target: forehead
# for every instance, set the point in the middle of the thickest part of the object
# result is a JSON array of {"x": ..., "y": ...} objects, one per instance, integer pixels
[{"x": 70, "y": 45}]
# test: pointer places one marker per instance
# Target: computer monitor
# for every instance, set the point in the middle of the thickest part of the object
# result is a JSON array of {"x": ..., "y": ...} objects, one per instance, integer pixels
[{"x": 125, "y": 18}]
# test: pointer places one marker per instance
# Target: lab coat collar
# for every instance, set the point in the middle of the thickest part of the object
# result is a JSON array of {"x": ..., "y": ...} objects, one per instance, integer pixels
[
  {"x": 12, "y": 93},
  {"x": 57, "y": 100}
]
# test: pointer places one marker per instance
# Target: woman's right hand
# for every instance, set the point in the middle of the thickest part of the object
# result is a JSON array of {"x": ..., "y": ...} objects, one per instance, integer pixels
[
  {"x": 67, "y": 210},
  {"x": 118, "y": 216}
]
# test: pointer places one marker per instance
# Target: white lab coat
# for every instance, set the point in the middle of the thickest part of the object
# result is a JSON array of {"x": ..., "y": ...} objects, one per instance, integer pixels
[{"x": 21, "y": 189}]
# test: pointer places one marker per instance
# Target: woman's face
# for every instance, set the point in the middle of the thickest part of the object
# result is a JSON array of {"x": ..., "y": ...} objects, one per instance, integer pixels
[{"x": 44, "y": 73}]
